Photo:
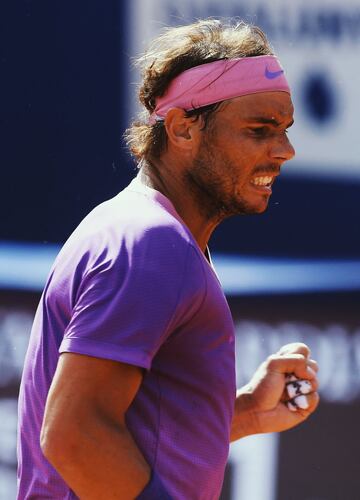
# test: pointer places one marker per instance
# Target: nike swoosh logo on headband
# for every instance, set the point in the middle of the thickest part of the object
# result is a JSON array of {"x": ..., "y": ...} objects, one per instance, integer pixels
[{"x": 273, "y": 74}]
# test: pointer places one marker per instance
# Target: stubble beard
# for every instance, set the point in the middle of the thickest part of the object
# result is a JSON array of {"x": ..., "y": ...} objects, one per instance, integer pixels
[{"x": 212, "y": 180}]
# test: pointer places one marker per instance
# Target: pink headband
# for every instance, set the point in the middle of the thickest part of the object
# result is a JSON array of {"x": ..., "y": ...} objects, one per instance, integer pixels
[{"x": 220, "y": 80}]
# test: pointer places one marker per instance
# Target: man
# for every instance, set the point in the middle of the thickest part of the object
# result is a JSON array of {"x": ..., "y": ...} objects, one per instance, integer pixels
[{"x": 128, "y": 388}]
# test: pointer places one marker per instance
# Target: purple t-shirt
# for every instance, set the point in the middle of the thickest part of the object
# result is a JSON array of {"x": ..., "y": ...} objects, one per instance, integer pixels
[{"x": 132, "y": 285}]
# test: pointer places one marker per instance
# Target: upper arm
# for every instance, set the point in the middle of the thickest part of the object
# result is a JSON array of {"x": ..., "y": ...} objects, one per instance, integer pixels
[
  {"x": 125, "y": 304},
  {"x": 85, "y": 389}
]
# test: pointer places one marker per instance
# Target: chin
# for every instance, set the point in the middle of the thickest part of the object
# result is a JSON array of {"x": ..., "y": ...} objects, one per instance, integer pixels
[
  {"x": 249, "y": 209},
  {"x": 261, "y": 210}
]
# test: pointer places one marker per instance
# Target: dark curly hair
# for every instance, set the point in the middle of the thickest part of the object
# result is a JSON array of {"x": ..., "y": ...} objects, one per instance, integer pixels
[{"x": 175, "y": 51}]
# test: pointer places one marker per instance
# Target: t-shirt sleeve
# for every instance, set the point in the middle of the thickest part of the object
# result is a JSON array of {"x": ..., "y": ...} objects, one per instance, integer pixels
[{"x": 126, "y": 301}]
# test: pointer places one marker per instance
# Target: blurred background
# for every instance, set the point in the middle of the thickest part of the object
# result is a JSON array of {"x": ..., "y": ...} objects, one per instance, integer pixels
[{"x": 67, "y": 94}]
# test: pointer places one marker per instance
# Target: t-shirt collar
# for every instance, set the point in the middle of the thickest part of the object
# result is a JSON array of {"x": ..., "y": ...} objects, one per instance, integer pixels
[{"x": 138, "y": 185}]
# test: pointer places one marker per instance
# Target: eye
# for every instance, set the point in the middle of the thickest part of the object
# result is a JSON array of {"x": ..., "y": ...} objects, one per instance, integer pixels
[{"x": 259, "y": 131}]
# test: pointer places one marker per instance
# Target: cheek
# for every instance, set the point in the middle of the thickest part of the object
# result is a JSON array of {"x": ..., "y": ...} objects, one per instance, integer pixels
[
  {"x": 245, "y": 158},
  {"x": 235, "y": 154},
  {"x": 240, "y": 147}
]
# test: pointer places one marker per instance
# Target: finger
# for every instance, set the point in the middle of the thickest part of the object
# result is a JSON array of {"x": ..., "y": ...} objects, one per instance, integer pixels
[
  {"x": 295, "y": 364},
  {"x": 313, "y": 400},
  {"x": 313, "y": 364},
  {"x": 295, "y": 348}
]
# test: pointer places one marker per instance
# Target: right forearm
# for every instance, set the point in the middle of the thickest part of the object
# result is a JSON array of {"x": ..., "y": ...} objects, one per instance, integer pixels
[{"x": 101, "y": 462}]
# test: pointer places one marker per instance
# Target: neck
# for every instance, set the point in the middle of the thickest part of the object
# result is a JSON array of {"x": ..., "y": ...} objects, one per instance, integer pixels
[{"x": 165, "y": 176}]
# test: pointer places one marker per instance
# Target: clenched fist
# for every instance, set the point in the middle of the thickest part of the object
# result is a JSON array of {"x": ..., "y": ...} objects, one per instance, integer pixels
[{"x": 281, "y": 394}]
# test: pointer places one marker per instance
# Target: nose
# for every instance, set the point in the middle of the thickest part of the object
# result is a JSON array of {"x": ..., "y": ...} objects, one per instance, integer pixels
[{"x": 282, "y": 149}]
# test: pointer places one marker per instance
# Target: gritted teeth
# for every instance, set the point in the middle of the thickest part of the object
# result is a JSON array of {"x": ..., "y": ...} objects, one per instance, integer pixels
[{"x": 262, "y": 181}]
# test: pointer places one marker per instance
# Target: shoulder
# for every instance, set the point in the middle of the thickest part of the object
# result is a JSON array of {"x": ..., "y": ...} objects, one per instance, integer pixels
[
  {"x": 138, "y": 222},
  {"x": 129, "y": 229}
]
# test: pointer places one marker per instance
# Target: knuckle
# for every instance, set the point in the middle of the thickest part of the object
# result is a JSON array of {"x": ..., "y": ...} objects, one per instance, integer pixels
[
  {"x": 303, "y": 348},
  {"x": 272, "y": 361},
  {"x": 295, "y": 346}
]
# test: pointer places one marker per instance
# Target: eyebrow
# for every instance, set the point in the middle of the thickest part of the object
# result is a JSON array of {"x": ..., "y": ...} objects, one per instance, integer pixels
[{"x": 267, "y": 121}]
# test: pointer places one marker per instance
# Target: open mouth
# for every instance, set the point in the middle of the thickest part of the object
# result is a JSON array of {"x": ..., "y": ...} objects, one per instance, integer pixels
[{"x": 263, "y": 181}]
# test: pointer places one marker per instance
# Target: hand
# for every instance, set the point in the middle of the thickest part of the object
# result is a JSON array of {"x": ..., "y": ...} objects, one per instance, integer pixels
[{"x": 261, "y": 405}]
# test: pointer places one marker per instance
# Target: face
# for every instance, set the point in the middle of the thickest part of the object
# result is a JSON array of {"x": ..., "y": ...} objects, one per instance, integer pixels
[{"x": 240, "y": 154}]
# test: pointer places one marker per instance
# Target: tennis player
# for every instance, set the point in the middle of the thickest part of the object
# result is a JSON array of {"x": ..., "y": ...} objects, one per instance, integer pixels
[{"x": 128, "y": 389}]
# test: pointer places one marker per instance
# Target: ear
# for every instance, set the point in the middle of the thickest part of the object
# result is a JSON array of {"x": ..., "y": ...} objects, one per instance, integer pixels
[{"x": 182, "y": 132}]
